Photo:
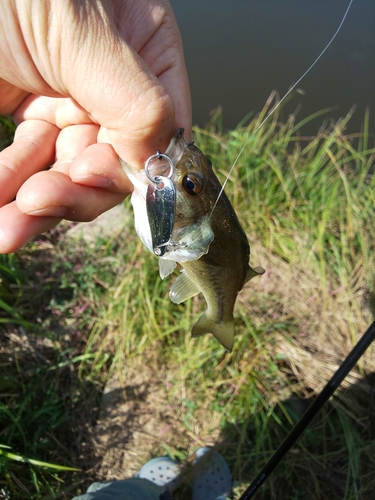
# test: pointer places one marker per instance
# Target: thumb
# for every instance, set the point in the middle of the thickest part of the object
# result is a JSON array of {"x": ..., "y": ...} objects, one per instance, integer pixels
[{"x": 118, "y": 73}]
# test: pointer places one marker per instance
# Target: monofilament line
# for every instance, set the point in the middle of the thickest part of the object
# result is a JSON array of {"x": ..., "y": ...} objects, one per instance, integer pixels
[{"x": 281, "y": 100}]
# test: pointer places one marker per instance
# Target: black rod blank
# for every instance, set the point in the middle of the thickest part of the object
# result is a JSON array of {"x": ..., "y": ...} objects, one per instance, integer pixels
[{"x": 336, "y": 379}]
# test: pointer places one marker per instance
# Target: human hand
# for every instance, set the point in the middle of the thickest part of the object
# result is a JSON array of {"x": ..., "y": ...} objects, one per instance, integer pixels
[{"x": 75, "y": 75}]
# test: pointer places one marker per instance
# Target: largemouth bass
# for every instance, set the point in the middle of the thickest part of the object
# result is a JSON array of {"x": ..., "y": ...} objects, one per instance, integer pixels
[{"x": 206, "y": 238}]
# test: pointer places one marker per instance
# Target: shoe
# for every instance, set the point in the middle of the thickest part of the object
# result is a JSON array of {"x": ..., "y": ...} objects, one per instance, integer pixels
[
  {"x": 210, "y": 472},
  {"x": 162, "y": 471},
  {"x": 212, "y": 477}
]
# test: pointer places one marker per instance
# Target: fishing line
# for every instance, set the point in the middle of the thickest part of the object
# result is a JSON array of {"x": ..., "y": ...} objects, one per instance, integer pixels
[
  {"x": 281, "y": 100},
  {"x": 336, "y": 379}
]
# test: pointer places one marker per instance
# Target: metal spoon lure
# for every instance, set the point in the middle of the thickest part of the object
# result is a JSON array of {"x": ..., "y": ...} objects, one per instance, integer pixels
[{"x": 161, "y": 206}]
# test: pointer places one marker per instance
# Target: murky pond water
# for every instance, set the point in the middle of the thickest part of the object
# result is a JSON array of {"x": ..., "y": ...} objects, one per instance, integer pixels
[{"x": 238, "y": 51}]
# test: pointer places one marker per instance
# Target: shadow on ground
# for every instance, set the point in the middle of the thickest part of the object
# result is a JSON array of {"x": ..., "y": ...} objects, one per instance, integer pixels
[{"x": 334, "y": 458}]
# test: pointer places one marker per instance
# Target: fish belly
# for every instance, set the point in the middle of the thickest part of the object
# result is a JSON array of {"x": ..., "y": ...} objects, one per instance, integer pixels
[{"x": 220, "y": 294}]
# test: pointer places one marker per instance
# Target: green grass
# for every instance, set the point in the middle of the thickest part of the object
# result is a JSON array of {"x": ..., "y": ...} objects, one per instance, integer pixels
[{"x": 100, "y": 312}]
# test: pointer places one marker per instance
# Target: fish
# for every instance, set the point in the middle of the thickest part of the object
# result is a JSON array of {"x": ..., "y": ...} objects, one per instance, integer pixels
[{"x": 205, "y": 237}]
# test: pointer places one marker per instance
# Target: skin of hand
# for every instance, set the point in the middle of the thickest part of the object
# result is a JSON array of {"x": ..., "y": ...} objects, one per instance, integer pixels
[{"x": 86, "y": 81}]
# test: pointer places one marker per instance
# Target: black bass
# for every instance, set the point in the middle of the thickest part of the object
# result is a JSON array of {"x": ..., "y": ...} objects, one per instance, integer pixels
[{"x": 206, "y": 238}]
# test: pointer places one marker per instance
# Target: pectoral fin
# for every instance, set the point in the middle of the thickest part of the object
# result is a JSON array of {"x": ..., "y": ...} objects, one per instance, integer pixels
[
  {"x": 223, "y": 332},
  {"x": 166, "y": 267},
  {"x": 257, "y": 271},
  {"x": 183, "y": 288}
]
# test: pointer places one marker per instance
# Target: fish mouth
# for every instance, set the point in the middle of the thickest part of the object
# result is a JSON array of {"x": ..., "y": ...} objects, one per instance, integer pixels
[{"x": 176, "y": 147}]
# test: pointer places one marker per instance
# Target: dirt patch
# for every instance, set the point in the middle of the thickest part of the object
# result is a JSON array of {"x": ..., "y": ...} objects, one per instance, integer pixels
[
  {"x": 137, "y": 422},
  {"x": 130, "y": 428}
]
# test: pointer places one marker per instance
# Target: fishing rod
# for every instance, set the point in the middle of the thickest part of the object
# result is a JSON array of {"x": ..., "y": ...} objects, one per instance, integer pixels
[{"x": 336, "y": 379}]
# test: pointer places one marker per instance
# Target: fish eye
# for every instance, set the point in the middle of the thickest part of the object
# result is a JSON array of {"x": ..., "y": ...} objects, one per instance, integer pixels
[{"x": 192, "y": 184}]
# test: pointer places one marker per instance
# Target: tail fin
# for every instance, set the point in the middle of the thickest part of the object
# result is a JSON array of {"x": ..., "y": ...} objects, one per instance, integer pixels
[{"x": 223, "y": 332}]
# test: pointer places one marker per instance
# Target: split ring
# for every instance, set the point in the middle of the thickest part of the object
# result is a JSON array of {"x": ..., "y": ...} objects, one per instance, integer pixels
[{"x": 159, "y": 156}]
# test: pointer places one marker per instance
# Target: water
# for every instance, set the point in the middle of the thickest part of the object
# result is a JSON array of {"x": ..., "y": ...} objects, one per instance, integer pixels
[{"x": 238, "y": 51}]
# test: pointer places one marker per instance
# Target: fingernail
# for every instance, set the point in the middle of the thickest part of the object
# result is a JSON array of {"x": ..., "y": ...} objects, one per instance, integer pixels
[
  {"x": 51, "y": 211},
  {"x": 93, "y": 180}
]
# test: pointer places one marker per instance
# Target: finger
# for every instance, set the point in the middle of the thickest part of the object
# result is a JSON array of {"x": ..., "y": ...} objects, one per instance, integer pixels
[
  {"x": 158, "y": 43},
  {"x": 11, "y": 97},
  {"x": 85, "y": 167},
  {"x": 61, "y": 111},
  {"x": 168, "y": 64},
  {"x": 54, "y": 194},
  {"x": 99, "y": 166},
  {"x": 33, "y": 149},
  {"x": 71, "y": 142},
  {"x": 180, "y": 96},
  {"x": 141, "y": 120},
  {"x": 17, "y": 228},
  {"x": 88, "y": 163}
]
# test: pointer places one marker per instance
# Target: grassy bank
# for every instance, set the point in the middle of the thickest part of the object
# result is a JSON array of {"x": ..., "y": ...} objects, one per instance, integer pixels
[{"x": 77, "y": 313}]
